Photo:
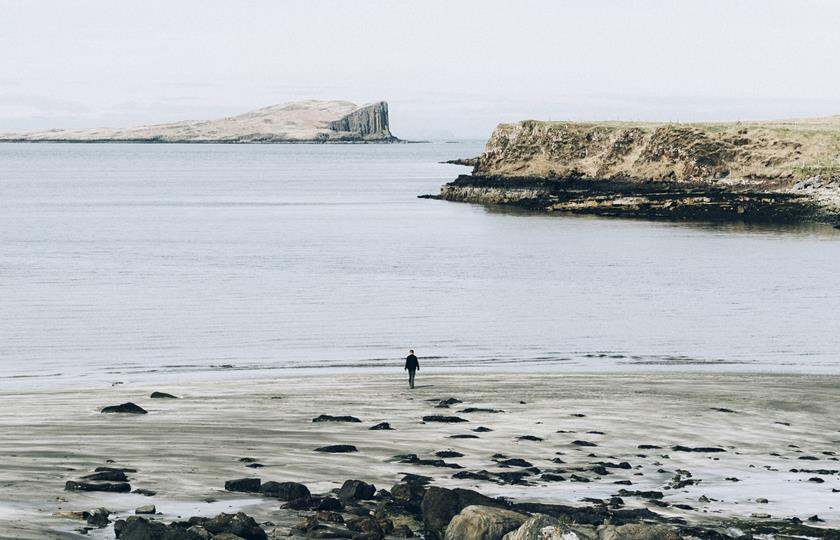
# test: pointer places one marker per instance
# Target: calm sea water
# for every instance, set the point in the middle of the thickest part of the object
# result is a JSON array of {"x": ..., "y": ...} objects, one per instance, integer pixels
[{"x": 119, "y": 260}]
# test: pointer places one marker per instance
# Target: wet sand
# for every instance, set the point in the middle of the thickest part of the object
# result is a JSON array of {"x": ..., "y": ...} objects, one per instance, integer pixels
[{"x": 185, "y": 449}]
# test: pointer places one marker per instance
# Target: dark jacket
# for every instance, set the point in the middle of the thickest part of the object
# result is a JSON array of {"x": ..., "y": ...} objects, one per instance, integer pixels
[{"x": 411, "y": 363}]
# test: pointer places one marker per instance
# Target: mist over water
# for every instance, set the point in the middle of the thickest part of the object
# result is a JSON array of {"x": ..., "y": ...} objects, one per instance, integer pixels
[{"x": 120, "y": 260}]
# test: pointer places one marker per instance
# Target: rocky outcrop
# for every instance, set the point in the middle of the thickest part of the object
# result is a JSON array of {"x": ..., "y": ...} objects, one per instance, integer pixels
[
  {"x": 370, "y": 122},
  {"x": 301, "y": 122},
  {"x": 774, "y": 172}
]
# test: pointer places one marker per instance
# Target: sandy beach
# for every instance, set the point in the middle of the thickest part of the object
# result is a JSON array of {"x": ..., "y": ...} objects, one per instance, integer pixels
[{"x": 764, "y": 427}]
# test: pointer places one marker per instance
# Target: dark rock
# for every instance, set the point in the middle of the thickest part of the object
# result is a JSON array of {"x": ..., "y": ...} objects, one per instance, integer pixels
[
  {"x": 445, "y": 419},
  {"x": 329, "y": 418},
  {"x": 440, "y": 505},
  {"x": 301, "y": 503},
  {"x": 552, "y": 477},
  {"x": 483, "y": 476},
  {"x": 125, "y": 408},
  {"x": 329, "y": 504},
  {"x": 513, "y": 477},
  {"x": 642, "y": 494},
  {"x": 285, "y": 491},
  {"x": 245, "y": 485},
  {"x": 121, "y": 487},
  {"x": 138, "y": 528},
  {"x": 402, "y": 531},
  {"x": 448, "y": 454},
  {"x": 367, "y": 527},
  {"x": 529, "y": 438},
  {"x": 114, "y": 469},
  {"x": 381, "y": 425},
  {"x": 515, "y": 462},
  {"x": 98, "y": 518},
  {"x": 482, "y": 429},
  {"x": 146, "y": 492},
  {"x": 649, "y": 447},
  {"x": 418, "y": 479},
  {"x": 464, "y": 436},
  {"x": 106, "y": 476},
  {"x": 583, "y": 515},
  {"x": 583, "y": 443},
  {"x": 415, "y": 460},
  {"x": 469, "y": 410},
  {"x": 445, "y": 403},
  {"x": 354, "y": 490},
  {"x": 706, "y": 449},
  {"x": 239, "y": 524},
  {"x": 408, "y": 494},
  {"x": 338, "y": 449},
  {"x": 162, "y": 395},
  {"x": 255, "y": 465}
]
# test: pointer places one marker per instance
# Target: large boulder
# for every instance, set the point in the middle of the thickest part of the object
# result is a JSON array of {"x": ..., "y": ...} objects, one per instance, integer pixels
[
  {"x": 239, "y": 524},
  {"x": 137, "y": 528},
  {"x": 637, "y": 531},
  {"x": 356, "y": 490},
  {"x": 285, "y": 491},
  {"x": 483, "y": 523},
  {"x": 543, "y": 527},
  {"x": 440, "y": 505}
]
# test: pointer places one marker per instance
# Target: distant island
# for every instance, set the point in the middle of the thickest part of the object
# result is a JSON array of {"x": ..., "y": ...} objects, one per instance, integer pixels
[
  {"x": 301, "y": 122},
  {"x": 782, "y": 171}
]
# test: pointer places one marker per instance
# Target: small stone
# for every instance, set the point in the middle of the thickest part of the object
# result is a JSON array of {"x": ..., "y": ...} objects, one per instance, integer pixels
[
  {"x": 444, "y": 419},
  {"x": 338, "y": 449},
  {"x": 145, "y": 509},
  {"x": 329, "y": 418},
  {"x": 245, "y": 485},
  {"x": 125, "y": 408}
]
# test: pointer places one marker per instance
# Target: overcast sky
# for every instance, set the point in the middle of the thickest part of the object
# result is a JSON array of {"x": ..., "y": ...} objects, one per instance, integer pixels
[{"x": 448, "y": 68}]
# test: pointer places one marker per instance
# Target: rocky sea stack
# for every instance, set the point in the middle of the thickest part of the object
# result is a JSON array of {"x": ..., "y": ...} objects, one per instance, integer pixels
[
  {"x": 301, "y": 122},
  {"x": 785, "y": 171}
]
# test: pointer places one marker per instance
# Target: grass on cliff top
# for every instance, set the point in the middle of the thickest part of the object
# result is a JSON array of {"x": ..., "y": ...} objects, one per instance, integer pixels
[{"x": 824, "y": 124}]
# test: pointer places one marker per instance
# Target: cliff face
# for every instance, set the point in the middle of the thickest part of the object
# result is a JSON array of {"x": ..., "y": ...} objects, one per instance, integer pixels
[
  {"x": 306, "y": 121},
  {"x": 370, "y": 122},
  {"x": 781, "y": 171}
]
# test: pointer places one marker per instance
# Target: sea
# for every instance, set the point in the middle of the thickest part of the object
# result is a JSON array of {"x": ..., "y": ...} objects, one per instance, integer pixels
[{"x": 137, "y": 261}]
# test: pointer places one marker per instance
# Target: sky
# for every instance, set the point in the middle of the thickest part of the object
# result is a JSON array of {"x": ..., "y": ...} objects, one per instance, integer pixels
[{"x": 449, "y": 69}]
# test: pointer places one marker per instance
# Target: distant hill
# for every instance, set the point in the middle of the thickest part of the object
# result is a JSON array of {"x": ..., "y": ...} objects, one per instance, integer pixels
[{"x": 305, "y": 121}]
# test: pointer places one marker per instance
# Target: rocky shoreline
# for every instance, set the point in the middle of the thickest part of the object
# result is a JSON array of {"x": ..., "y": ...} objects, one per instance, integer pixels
[
  {"x": 412, "y": 508},
  {"x": 482, "y": 456},
  {"x": 785, "y": 172}
]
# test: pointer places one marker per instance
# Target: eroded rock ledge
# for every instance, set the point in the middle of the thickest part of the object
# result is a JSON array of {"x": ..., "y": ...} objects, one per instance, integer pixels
[{"x": 769, "y": 172}]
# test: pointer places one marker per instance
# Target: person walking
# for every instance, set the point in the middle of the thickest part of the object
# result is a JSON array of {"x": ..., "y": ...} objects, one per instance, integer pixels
[{"x": 411, "y": 365}]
